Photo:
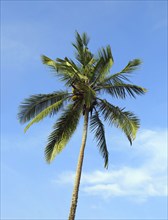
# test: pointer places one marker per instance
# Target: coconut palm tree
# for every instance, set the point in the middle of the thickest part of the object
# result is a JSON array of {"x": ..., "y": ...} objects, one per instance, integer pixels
[{"x": 86, "y": 79}]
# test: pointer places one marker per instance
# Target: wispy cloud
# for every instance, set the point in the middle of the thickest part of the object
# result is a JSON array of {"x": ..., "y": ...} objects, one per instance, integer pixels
[
  {"x": 18, "y": 51},
  {"x": 148, "y": 179},
  {"x": 160, "y": 24}
]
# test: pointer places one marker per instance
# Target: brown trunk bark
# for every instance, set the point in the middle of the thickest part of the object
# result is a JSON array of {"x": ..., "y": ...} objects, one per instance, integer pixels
[{"x": 79, "y": 170}]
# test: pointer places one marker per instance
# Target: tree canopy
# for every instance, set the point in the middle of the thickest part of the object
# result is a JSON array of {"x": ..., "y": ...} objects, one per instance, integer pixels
[{"x": 86, "y": 78}]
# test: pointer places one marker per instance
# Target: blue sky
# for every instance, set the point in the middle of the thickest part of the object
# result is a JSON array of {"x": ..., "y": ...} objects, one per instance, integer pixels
[{"x": 134, "y": 186}]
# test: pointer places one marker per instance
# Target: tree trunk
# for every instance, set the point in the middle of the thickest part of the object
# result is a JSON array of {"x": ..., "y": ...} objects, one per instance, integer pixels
[{"x": 79, "y": 170}]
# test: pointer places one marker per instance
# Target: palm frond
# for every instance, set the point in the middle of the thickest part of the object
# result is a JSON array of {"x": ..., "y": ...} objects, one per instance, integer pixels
[
  {"x": 49, "y": 62},
  {"x": 63, "y": 130},
  {"x": 65, "y": 68},
  {"x": 83, "y": 55},
  {"x": 122, "y": 90},
  {"x": 48, "y": 111},
  {"x": 78, "y": 44},
  {"x": 89, "y": 69},
  {"x": 123, "y": 75},
  {"x": 85, "y": 39},
  {"x": 132, "y": 66},
  {"x": 124, "y": 120},
  {"x": 35, "y": 104},
  {"x": 104, "y": 63},
  {"x": 71, "y": 72},
  {"x": 98, "y": 128}
]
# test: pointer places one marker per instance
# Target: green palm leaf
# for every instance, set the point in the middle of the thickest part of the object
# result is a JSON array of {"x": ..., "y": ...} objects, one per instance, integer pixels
[
  {"x": 61, "y": 67},
  {"x": 63, "y": 130},
  {"x": 104, "y": 63},
  {"x": 132, "y": 66},
  {"x": 124, "y": 120},
  {"x": 123, "y": 75},
  {"x": 122, "y": 90},
  {"x": 35, "y": 104},
  {"x": 65, "y": 69},
  {"x": 49, "y": 62},
  {"x": 98, "y": 128},
  {"x": 71, "y": 73},
  {"x": 83, "y": 55},
  {"x": 49, "y": 110}
]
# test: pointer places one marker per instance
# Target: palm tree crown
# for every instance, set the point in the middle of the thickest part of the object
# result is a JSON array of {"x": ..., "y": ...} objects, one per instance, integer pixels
[{"x": 85, "y": 79}]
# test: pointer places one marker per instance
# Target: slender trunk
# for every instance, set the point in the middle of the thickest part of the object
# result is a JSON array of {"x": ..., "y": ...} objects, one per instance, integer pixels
[{"x": 79, "y": 170}]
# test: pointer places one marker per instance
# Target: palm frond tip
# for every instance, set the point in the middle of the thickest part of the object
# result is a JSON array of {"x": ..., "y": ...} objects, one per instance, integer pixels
[
  {"x": 98, "y": 128},
  {"x": 132, "y": 66}
]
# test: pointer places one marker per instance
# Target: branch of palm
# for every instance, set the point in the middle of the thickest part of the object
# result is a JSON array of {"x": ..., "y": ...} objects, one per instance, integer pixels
[
  {"x": 63, "y": 130},
  {"x": 98, "y": 128},
  {"x": 125, "y": 120},
  {"x": 35, "y": 104}
]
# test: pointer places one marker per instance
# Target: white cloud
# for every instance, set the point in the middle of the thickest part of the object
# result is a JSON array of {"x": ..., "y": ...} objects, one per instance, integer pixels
[{"x": 148, "y": 179}]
